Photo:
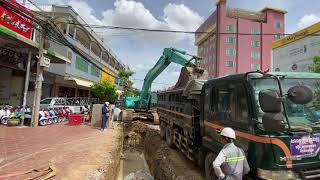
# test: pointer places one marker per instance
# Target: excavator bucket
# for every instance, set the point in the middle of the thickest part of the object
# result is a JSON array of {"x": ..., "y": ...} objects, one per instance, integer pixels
[{"x": 190, "y": 73}]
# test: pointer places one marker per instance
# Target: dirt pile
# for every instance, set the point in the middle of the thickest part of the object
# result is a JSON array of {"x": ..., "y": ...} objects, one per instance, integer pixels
[
  {"x": 167, "y": 163},
  {"x": 134, "y": 134},
  {"x": 162, "y": 161}
]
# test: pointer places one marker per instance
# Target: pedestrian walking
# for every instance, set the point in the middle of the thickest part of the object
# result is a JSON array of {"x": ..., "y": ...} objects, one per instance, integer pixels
[
  {"x": 231, "y": 163},
  {"x": 105, "y": 115},
  {"x": 112, "y": 107}
]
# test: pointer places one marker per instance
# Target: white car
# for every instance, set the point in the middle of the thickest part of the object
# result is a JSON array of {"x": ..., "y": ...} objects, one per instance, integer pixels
[{"x": 60, "y": 102}]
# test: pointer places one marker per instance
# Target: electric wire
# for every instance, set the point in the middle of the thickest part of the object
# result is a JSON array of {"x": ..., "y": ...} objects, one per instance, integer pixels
[{"x": 53, "y": 35}]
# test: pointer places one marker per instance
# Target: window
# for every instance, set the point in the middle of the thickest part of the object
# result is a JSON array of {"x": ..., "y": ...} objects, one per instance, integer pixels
[
  {"x": 231, "y": 28},
  {"x": 277, "y": 36},
  {"x": 255, "y": 55},
  {"x": 255, "y": 67},
  {"x": 211, "y": 57},
  {"x": 230, "y": 63},
  {"x": 277, "y": 24},
  {"x": 255, "y": 31},
  {"x": 231, "y": 40},
  {"x": 95, "y": 71},
  {"x": 46, "y": 101},
  {"x": 213, "y": 99},
  {"x": 212, "y": 46},
  {"x": 212, "y": 38},
  {"x": 231, "y": 52},
  {"x": 255, "y": 43},
  {"x": 81, "y": 64},
  {"x": 230, "y": 104}
]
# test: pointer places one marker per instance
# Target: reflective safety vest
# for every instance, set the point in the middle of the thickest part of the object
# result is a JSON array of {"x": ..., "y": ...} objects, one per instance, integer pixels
[{"x": 231, "y": 163}]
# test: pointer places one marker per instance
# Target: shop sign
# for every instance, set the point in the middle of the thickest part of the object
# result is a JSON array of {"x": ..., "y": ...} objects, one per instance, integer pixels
[
  {"x": 15, "y": 21},
  {"x": 45, "y": 62},
  {"x": 15, "y": 60}
]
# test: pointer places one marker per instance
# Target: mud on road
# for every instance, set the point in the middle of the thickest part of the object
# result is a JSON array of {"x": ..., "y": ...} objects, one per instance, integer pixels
[{"x": 147, "y": 152}]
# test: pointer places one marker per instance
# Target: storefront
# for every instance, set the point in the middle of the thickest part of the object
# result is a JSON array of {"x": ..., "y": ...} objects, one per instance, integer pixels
[{"x": 15, "y": 46}]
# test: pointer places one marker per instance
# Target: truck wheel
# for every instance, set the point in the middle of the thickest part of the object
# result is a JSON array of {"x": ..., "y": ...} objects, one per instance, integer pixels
[
  {"x": 210, "y": 175},
  {"x": 163, "y": 130},
  {"x": 169, "y": 136}
]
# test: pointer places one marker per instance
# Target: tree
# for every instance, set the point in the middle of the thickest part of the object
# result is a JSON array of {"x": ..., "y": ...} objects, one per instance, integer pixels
[
  {"x": 125, "y": 73},
  {"x": 315, "y": 67},
  {"x": 105, "y": 91},
  {"x": 128, "y": 90}
]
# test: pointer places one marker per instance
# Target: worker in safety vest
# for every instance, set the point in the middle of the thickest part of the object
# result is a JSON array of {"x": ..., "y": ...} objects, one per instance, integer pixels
[{"x": 231, "y": 163}]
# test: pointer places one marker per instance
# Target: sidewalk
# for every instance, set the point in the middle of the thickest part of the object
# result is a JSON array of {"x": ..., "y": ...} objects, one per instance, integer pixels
[{"x": 76, "y": 151}]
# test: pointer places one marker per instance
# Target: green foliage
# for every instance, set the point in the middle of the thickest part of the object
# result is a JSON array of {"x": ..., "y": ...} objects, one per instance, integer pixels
[
  {"x": 128, "y": 90},
  {"x": 105, "y": 91},
  {"x": 315, "y": 67},
  {"x": 125, "y": 73}
]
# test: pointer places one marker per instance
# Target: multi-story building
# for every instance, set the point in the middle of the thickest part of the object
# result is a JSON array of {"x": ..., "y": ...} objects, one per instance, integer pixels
[
  {"x": 75, "y": 77},
  {"x": 297, "y": 51},
  {"x": 235, "y": 40}
]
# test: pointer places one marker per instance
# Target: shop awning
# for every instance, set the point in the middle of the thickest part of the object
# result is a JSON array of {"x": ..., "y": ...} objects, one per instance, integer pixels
[{"x": 80, "y": 82}]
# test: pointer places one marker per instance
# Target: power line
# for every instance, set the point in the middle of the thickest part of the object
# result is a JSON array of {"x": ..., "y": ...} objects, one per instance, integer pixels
[
  {"x": 95, "y": 26},
  {"x": 55, "y": 35},
  {"x": 153, "y": 82},
  {"x": 53, "y": 32}
]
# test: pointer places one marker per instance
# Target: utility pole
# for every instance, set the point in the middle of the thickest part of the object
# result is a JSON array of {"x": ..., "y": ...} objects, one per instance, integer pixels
[
  {"x": 26, "y": 83},
  {"x": 39, "y": 79}
]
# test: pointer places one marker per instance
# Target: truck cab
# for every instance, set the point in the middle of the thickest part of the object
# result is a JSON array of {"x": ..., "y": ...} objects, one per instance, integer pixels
[{"x": 275, "y": 117}]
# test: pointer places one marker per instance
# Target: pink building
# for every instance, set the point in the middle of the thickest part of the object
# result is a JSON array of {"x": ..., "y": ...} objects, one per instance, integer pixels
[{"x": 230, "y": 40}]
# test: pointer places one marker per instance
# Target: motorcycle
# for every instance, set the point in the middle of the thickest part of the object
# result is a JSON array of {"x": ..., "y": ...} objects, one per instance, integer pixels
[
  {"x": 43, "y": 120},
  {"x": 48, "y": 116},
  {"x": 16, "y": 116},
  {"x": 68, "y": 111},
  {"x": 53, "y": 115},
  {"x": 60, "y": 114},
  {"x": 6, "y": 115}
]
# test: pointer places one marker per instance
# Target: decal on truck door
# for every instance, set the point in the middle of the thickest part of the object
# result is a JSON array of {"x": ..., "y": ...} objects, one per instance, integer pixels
[{"x": 305, "y": 146}]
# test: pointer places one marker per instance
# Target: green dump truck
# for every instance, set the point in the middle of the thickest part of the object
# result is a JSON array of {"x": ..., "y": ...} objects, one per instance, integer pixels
[{"x": 275, "y": 116}]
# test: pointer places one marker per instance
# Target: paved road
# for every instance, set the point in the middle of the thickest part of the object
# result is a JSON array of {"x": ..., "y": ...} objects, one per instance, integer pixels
[{"x": 75, "y": 150}]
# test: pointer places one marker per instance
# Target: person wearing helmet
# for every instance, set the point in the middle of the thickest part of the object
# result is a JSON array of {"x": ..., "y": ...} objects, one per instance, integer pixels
[
  {"x": 231, "y": 162},
  {"x": 105, "y": 115}
]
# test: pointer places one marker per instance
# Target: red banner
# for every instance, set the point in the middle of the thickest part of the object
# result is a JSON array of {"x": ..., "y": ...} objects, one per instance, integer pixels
[{"x": 14, "y": 20}]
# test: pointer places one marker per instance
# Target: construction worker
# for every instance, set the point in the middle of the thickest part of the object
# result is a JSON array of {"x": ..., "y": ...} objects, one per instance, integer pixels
[
  {"x": 105, "y": 115},
  {"x": 231, "y": 163}
]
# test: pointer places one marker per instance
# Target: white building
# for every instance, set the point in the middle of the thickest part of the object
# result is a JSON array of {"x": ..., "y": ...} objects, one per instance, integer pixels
[{"x": 296, "y": 52}]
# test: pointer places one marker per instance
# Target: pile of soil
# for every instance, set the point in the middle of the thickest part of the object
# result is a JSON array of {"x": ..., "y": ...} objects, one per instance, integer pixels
[
  {"x": 134, "y": 134},
  {"x": 167, "y": 163}
]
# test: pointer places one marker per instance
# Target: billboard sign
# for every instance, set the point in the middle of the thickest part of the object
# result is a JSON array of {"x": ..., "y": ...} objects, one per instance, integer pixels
[{"x": 15, "y": 21}]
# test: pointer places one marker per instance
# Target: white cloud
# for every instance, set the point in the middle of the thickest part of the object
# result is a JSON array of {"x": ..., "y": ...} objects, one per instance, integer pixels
[
  {"x": 85, "y": 11},
  {"x": 308, "y": 20},
  {"x": 128, "y": 13},
  {"x": 140, "y": 67}
]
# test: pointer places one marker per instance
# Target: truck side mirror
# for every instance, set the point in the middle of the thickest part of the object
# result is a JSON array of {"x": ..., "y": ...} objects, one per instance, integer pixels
[
  {"x": 269, "y": 101},
  {"x": 300, "y": 94},
  {"x": 274, "y": 122}
]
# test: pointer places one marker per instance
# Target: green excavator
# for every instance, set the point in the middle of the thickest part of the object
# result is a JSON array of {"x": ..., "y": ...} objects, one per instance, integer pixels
[{"x": 140, "y": 107}]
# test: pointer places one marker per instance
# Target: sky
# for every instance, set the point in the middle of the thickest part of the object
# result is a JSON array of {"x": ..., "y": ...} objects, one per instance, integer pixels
[{"x": 141, "y": 50}]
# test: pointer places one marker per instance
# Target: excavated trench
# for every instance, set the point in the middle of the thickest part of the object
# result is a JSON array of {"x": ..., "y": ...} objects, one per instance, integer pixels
[{"x": 146, "y": 155}]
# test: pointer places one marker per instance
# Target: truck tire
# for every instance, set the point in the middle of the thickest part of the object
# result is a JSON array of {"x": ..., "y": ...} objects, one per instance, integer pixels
[
  {"x": 169, "y": 136},
  {"x": 163, "y": 127},
  {"x": 210, "y": 175}
]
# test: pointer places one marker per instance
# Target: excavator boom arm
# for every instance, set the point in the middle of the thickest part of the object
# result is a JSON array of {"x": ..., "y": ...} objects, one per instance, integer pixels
[{"x": 170, "y": 55}]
